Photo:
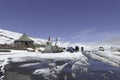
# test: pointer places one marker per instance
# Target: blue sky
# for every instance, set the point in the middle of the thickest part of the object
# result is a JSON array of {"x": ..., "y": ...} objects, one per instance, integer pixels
[{"x": 70, "y": 20}]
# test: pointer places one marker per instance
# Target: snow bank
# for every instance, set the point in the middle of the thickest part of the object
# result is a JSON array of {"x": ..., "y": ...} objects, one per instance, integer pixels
[
  {"x": 74, "y": 62},
  {"x": 107, "y": 57}
]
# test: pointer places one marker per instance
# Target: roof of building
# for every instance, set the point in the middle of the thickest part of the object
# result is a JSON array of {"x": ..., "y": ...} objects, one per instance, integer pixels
[{"x": 24, "y": 37}]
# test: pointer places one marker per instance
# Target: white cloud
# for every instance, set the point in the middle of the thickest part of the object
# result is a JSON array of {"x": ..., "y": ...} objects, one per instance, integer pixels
[
  {"x": 91, "y": 35},
  {"x": 83, "y": 33}
]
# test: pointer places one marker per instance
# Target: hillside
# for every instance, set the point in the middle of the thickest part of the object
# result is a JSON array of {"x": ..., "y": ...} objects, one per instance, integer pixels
[{"x": 9, "y": 37}]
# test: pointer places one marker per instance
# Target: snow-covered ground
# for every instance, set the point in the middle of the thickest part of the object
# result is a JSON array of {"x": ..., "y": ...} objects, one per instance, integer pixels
[
  {"x": 22, "y": 56},
  {"x": 90, "y": 59},
  {"x": 83, "y": 61},
  {"x": 109, "y": 57},
  {"x": 17, "y": 55}
]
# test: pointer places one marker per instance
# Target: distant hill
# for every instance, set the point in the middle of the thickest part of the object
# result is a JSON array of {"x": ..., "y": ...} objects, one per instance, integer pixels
[
  {"x": 8, "y": 37},
  {"x": 114, "y": 42}
]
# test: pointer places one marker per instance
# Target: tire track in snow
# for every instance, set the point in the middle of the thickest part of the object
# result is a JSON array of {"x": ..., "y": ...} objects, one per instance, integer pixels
[
  {"x": 93, "y": 55},
  {"x": 109, "y": 58}
]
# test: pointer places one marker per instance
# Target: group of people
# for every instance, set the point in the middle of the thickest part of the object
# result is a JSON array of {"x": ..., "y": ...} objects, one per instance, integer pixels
[{"x": 76, "y": 49}]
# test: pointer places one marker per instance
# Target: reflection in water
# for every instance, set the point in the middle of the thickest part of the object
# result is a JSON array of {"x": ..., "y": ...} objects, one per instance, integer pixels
[{"x": 61, "y": 70}]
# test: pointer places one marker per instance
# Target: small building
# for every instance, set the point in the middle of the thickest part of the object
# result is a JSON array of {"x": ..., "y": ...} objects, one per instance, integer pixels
[{"x": 24, "y": 41}]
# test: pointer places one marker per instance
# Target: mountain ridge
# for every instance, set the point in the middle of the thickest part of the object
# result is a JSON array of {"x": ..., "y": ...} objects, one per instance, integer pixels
[{"x": 8, "y": 37}]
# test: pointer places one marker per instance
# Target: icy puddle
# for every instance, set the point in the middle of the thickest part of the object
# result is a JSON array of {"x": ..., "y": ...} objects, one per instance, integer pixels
[
  {"x": 89, "y": 65},
  {"x": 60, "y": 70}
]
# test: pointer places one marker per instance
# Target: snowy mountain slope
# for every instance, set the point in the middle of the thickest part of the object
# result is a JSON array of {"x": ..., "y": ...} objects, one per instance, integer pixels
[
  {"x": 114, "y": 41},
  {"x": 9, "y": 36}
]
